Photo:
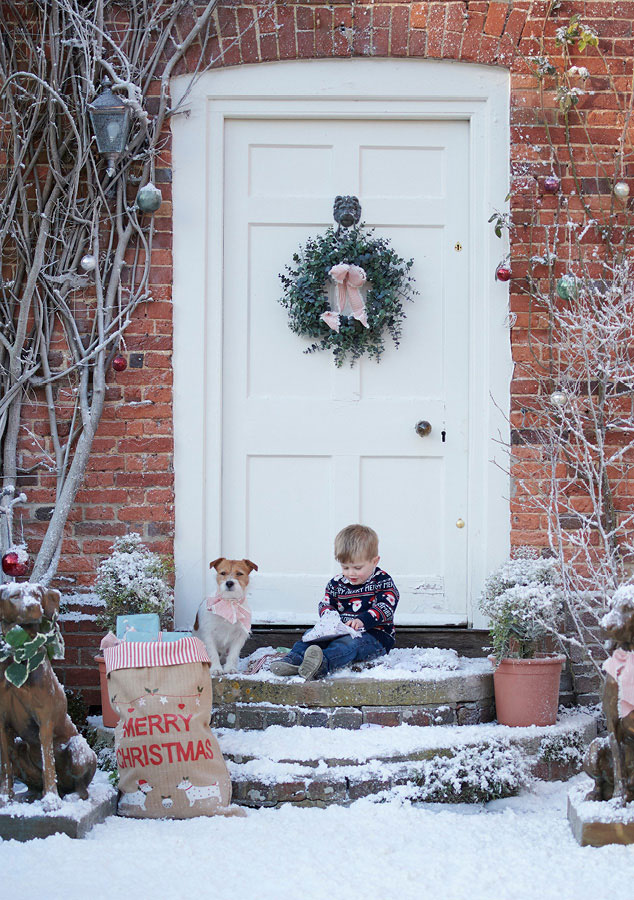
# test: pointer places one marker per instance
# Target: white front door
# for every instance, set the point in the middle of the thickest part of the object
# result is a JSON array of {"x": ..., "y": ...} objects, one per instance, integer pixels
[
  {"x": 274, "y": 450},
  {"x": 308, "y": 448}
]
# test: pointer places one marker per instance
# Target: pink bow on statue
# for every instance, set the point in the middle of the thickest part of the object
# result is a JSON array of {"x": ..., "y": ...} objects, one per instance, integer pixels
[
  {"x": 621, "y": 667},
  {"x": 349, "y": 279}
]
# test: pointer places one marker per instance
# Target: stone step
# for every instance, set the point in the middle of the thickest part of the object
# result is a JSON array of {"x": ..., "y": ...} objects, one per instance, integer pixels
[
  {"x": 258, "y": 716},
  {"x": 318, "y": 766},
  {"x": 416, "y": 687},
  {"x": 312, "y": 766},
  {"x": 335, "y": 747}
]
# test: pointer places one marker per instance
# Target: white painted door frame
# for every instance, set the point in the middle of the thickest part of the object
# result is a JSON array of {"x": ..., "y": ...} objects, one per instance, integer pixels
[{"x": 390, "y": 89}]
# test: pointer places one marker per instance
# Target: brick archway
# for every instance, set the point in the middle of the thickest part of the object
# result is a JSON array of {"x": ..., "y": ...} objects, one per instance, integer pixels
[{"x": 484, "y": 32}]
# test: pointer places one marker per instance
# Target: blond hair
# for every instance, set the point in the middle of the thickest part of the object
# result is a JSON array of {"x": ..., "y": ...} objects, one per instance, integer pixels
[{"x": 356, "y": 543}]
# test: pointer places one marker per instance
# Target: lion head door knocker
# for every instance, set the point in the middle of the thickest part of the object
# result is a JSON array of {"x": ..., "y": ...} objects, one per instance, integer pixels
[{"x": 346, "y": 212}]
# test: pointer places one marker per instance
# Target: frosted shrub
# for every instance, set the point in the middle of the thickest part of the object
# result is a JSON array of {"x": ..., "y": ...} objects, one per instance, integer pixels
[
  {"x": 106, "y": 756},
  {"x": 523, "y": 601},
  {"x": 477, "y": 774},
  {"x": 563, "y": 749},
  {"x": 132, "y": 580}
]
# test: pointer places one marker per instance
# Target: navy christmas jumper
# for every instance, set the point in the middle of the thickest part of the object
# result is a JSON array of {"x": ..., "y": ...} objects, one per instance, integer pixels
[{"x": 373, "y": 602}]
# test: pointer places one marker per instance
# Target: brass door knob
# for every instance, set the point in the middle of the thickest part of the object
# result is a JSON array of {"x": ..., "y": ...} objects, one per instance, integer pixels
[
  {"x": 459, "y": 523},
  {"x": 422, "y": 428}
]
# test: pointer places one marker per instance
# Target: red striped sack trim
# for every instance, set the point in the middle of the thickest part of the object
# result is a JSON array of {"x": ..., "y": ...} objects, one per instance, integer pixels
[{"x": 133, "y": 655}]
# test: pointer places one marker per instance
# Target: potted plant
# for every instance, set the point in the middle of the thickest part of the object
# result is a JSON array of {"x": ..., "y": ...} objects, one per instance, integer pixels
[
  {"x": 523, "y": 602},
  {"x": 131, "y": 580}
]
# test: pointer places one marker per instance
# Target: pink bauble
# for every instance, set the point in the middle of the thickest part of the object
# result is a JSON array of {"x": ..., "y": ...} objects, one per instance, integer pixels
[{"x": 551, "y": 184}]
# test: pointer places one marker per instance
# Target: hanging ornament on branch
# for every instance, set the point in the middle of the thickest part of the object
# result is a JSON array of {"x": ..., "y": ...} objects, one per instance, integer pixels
[
  {"x": 366, "y": 280},
  {"x": 622, "y": 190},
  {"x": 15, "y": 561},
  {"x": 149, "y": 198},
  {"x": 567, "y": 287},
  {"x": 551, "y": 184}
]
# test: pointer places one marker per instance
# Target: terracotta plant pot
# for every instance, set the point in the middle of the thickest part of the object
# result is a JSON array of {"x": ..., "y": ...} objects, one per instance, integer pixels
[
  {"x": 109, "y": 715},
  {"x": 527, "y": 690}
]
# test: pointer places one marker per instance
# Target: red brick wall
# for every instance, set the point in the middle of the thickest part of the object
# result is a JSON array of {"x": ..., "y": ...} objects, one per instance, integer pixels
[{"x": 129, "y": 485}]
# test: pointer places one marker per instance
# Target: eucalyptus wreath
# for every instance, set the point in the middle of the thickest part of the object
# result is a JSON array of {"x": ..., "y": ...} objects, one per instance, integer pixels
[{"x": 389, "y": 284}]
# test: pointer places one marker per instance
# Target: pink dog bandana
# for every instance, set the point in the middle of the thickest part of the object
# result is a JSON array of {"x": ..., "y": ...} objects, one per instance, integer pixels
[
  {"x": 231, "y": 610},
  {"x": 621, "y": 667},
  {"x": 349, "y": 279}
]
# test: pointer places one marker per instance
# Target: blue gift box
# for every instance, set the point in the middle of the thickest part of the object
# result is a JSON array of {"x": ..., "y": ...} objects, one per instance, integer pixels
[
  {"x": 170, "y": 636},
  {"x": 139, "y": 627}
]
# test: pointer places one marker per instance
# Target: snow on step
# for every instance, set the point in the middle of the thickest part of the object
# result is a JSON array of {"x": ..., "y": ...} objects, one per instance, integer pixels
[
  {"x": 404, "y": 664},
  {"x": 322, "y": 766},
  {"x": 415, "y": 680},
  {"x": 303, "y": 745}
]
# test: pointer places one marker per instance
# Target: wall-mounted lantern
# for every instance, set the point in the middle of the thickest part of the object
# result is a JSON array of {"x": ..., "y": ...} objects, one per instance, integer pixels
[{"x": 110, "y": 119}]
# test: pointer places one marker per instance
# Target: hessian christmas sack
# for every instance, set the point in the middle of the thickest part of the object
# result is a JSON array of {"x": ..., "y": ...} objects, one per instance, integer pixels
[{"x": 169, "y": 761}]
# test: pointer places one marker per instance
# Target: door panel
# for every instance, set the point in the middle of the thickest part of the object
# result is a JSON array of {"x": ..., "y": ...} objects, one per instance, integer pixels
[{"x": 308, "y": 448}]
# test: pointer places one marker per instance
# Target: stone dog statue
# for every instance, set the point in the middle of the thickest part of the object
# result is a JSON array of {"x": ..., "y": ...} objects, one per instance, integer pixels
[
  {"x": 610, "y": 760},
  {"x": 38, "y": 741}
]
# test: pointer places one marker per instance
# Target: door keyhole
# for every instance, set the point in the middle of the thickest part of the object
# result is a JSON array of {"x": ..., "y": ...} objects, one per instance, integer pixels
[{"x": 443, "y": 435}]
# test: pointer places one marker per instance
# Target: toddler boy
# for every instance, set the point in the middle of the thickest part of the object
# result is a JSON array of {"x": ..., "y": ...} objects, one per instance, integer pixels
[{"x": 365, "y": 598}]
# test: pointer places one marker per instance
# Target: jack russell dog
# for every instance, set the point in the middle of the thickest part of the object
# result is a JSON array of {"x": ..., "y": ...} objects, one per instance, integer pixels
[{"x": 223, "y": 622}]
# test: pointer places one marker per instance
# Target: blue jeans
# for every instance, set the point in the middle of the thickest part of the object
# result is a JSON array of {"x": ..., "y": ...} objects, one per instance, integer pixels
[{"x": 339, "y": 652}]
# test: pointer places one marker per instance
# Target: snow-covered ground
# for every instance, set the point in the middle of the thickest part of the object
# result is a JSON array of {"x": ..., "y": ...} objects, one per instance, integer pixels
[{"x": 520, "y": 848}]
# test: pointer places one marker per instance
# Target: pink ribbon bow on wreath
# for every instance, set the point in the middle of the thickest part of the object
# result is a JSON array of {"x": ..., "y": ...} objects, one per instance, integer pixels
[{"x": 348, "y": 279}]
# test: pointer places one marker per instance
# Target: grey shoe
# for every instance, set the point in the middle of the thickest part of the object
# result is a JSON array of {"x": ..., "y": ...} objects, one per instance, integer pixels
[
  {"x": 311, "y": 664},
  {"x": 282, "y": 667}
]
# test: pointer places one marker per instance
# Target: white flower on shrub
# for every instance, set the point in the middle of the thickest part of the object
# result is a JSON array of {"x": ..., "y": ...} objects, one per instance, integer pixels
[
  {"x": 523, "y": 602},
  {"x": 133, "y": 580}
]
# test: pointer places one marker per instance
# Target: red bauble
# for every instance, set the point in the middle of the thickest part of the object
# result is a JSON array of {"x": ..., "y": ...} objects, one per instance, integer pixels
[
  {"x": 12, "y": 566},
  {"x": 503, "y": 273},
  {"x": 119, "y": 363},
  {"x": 551, "y": 184}
]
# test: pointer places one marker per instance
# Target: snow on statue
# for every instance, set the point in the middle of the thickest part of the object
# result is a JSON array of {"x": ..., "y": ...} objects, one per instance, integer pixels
[{"x": 52, "y": 758}]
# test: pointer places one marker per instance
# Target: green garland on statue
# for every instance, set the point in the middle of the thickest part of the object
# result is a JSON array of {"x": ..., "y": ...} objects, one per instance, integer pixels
[
  {"x": 306, "y": 293},
  {"x": 28, "y": 651}
]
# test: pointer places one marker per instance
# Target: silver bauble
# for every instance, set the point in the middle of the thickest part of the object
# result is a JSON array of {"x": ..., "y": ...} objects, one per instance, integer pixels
[
  {"x": 559, "y": 399},
  {"x": 622, "y": 190}
]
